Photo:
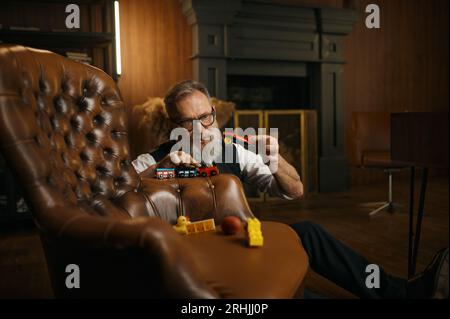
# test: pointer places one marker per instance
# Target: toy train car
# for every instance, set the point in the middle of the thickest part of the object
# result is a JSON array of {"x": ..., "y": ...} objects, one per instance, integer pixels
[
  {"x": 207, "y": 171},
  {"x": 165, "y": 173},
  {"x": 186, "y": 172}
]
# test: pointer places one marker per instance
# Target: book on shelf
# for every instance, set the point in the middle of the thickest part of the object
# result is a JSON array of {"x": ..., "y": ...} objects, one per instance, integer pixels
[
  {"x": 78, "y": 54},
  {"x": 19, "y": 28},
  {"x": 79, "y": 57},
  {"x": 64, "y": 30},
  {"x": 82, "y": 61}
]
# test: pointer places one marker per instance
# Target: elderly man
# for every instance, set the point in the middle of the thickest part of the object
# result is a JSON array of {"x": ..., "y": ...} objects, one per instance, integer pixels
[{"x": 188, "y": 105}]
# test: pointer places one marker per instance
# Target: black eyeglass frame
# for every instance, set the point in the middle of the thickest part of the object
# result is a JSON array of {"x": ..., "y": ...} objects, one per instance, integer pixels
[{"x": 213, "y": 113}]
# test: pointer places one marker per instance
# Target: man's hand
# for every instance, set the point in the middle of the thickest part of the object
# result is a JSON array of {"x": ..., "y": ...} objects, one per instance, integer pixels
[
  {"x": 285, "y": 174},
  {"x": 171, "y": 160},
  {"x": 178, "y": 158},
  {"x": 270, "y": 148}
]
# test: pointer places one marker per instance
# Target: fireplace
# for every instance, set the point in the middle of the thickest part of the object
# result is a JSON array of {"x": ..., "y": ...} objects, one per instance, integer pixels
[
  {"x": 266, "y": 56},
  {"x": 268, "y": 92}
]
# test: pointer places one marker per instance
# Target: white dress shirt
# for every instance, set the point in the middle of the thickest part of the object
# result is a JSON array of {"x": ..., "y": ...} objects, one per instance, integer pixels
[{"x": 253, "y": 171}]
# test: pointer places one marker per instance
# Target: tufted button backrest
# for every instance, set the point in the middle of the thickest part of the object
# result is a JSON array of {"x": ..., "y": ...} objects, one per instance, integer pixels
[
  {"x": 63, "y": 132},
  {"x": 63, "y": 129}
]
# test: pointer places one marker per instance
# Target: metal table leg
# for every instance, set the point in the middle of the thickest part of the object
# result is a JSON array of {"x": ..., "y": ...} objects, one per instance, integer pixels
[
  {"x": 415, "y": 248},
  {"x": 411, "y": 221}
]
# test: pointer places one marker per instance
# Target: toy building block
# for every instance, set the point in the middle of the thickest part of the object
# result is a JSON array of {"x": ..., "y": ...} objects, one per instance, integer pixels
[
  {"x": 184, "y": 226},
  {"x": 254, "y": 233},
  {"x": 200, "y": 226},
  {"x": 165, "y": 173},
  {"x": 230, "y": 137}
]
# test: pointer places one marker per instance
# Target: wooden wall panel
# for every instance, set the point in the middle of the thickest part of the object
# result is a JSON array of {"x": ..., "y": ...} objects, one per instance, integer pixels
[
  {"x": 403, "y": 66},
  {"x": 156, "y": 44}
]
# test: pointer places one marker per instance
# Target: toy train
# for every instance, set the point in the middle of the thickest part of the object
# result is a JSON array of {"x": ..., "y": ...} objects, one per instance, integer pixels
[{"x": 186, "y": 172}]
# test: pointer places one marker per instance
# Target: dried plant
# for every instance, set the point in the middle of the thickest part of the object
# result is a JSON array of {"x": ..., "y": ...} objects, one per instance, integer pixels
[
  {"x": 224, "y": 110},
  {"x": 153, "y": 125}
]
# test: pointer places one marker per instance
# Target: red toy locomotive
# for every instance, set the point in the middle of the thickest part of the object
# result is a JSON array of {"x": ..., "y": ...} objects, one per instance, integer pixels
[{"x": 207, "y": 171}]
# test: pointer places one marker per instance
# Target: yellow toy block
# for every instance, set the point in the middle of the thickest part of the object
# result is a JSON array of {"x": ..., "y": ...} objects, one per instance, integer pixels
[
  {"x": 201, "y": 226},
  {"x": 184, "y": 226},
  {"x": 209, "y": 225},
  {"x": 254, "y": 233}
]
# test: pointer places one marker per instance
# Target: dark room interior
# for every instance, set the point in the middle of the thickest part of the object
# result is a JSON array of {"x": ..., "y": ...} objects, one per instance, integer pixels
[{"x": 356, "y": 90}]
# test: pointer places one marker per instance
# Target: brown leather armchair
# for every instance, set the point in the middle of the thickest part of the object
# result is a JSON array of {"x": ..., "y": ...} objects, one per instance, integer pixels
[{"x": 63, "y": 133}]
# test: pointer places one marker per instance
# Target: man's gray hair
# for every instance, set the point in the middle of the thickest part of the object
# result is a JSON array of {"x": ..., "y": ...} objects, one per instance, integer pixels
[{"x": 182, "y": 90}]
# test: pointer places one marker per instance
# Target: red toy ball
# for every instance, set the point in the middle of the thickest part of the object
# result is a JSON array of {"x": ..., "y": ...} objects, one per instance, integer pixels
[{"x": 231, "y": 225}]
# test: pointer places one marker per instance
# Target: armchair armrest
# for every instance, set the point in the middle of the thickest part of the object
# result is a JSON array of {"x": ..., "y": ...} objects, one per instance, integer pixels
[
  {"x": 142, "y": 257},
  {"x": 199, "y": 198}
]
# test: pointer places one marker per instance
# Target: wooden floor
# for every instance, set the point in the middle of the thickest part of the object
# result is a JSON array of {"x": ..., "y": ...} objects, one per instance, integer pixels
[{"x": 382, "y": 239}]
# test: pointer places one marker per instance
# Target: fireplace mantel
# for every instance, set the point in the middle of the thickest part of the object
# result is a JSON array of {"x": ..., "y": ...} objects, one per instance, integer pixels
[{"x": 262, "y": 38}]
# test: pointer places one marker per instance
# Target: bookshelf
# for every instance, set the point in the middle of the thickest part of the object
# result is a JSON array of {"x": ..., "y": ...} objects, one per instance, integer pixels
[{"x": 41, "y": 24}]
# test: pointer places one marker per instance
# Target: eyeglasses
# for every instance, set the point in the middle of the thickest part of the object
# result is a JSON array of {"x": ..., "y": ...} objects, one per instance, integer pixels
[{"x": 206, "y": 120}]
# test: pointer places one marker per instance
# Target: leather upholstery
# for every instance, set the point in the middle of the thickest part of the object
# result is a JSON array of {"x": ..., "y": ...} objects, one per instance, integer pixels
[
  {"x": 276, "y": 270},
  {"x": 376, "y": 158},
  {"x": 214, "y": 197},
  {"x": 63, "y": 132},
  {"x": 369, "y": 140}
]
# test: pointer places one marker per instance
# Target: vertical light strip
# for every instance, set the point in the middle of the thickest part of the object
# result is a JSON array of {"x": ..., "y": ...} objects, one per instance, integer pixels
[{"x": 117, "y": 28}]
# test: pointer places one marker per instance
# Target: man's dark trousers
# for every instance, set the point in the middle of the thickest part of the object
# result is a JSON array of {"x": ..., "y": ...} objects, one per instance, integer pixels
[{"x": 341, "y": 265}]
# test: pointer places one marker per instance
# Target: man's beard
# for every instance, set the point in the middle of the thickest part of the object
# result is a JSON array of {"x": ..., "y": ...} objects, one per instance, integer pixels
[{"x": 209, "y": 147}]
